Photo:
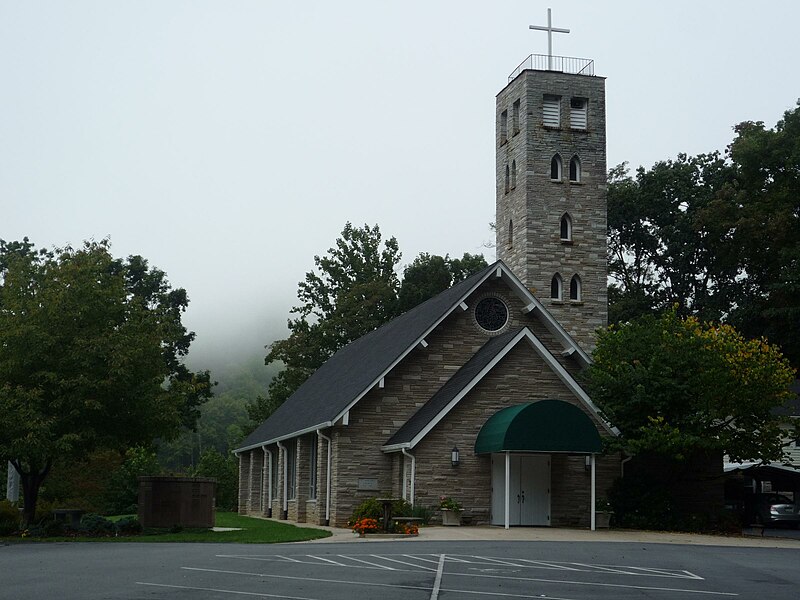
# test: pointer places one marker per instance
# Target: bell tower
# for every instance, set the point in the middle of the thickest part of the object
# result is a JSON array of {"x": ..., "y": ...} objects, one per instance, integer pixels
[{"x": 551, "y": 186}]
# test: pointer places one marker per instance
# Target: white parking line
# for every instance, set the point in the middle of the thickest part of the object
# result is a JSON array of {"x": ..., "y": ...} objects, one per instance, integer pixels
[
  {"x": 422, "y": 558},
  {"x": 328, "y": 560},
  {"x": 423, "y": 588},
  {"x": 402, "y": 562},
  {"x": 366, "y": 562},
  {"x": 437, "y": 583},
  {"x": 496, "y": 561},
  {"x": 220, "y": 591},
  {"x": 547, "y": 565},
  {"x": 289, "y": 559},
  {"x": 593, "y": 583}
]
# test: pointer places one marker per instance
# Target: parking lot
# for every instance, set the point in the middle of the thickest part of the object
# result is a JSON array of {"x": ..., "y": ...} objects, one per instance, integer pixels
[
  {"x": 566, "y": 570},
  {"x": 322, "y": 576}
]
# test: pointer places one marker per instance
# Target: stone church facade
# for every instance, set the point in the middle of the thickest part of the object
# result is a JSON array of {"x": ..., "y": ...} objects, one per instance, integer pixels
[{"x": 489, "y": 368}]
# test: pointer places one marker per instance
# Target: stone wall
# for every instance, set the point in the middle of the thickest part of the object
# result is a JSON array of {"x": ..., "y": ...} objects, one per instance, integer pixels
[{"x": 535, "y": 251}]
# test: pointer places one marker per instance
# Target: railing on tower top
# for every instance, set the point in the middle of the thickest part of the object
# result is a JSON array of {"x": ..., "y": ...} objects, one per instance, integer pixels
[{"x": 563, "y": 64}]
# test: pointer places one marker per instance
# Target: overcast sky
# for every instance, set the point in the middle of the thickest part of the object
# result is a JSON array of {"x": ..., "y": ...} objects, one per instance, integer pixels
[{"x": 229, "y": 142}]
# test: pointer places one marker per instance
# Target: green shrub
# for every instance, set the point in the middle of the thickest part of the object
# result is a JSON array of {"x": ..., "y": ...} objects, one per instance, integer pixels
[
  {"x": 128, "y": 526},
  {"x": 401, "y": 508},
  {"x": 46, "y": 528},
  {"x": 225, "y": 469},
  {"x": 95, "y": 524},
  {"x": 9, "y": 517},
  {"x": 368, "y": 509},
  {"x": 423, "y": 512}
]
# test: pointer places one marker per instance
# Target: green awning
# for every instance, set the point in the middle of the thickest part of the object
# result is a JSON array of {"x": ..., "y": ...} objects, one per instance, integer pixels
[{"x": 544, "y": 426}]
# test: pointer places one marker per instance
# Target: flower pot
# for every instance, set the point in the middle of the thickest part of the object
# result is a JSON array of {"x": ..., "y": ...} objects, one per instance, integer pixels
[{"x": 451, "y": 518}]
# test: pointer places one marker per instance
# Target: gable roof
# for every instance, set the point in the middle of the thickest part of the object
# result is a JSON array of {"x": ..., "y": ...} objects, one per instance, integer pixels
[
  {"x": 469, "y": 375},
  {"x": 333, "y": 389},
  {"x": 454, "y": 386}
]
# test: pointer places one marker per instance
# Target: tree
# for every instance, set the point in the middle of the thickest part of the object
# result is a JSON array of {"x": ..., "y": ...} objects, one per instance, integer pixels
[
  {"x": 352, "y": 291},
  {"x": 91, "y": 352},
  {"x": 762, "y": 216},
  {"x": 429, "y": 275},
  {"x": 665, "y": 244},
  {"x": 718, "y": 236},
  {"x": 675, "y": 386}
]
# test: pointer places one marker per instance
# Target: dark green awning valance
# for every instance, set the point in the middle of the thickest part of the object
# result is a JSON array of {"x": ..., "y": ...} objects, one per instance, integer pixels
[{"x": 544, "y": 426}]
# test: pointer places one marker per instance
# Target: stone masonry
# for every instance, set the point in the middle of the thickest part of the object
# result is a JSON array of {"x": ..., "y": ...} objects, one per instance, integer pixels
[
  {"x": 356, "y": 448},
  {"x": 529, "y": 212}
]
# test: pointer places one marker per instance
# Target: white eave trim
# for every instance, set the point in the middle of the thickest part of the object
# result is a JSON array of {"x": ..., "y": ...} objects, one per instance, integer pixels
[
  {"x": 549, "y": 359},
  {"x": 288, "y": 436}
]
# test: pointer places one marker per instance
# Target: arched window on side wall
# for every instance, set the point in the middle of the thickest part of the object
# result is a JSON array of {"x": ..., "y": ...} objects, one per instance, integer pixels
[
  {"x": 555, "y": 168},
  {"x": 513, "y": 174},
  {"x": 566, "y": 228},
  {"x": 575, "y": 169},
  {"x": 510, "y": 233},
  {"x": 556, "y": 287},
  {"x": 508, "y": 179},
  {"x": 575, "y": 288}
]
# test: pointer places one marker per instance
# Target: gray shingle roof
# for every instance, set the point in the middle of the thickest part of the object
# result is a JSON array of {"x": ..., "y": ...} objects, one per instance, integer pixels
[
  {"x": 451, "y": 388},
  {"x": 355, "y": 368}
]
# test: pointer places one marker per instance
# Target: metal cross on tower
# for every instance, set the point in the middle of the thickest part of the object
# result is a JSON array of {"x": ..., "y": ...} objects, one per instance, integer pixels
[{"x": 549, "y": 29}]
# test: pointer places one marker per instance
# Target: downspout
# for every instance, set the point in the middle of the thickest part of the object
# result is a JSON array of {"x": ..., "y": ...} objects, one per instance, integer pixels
[
  {"x": 327, "y": 479},
  {"x": 593, "y": 500},
  {"x": 285, "y": 514},
  {"x": 268, "y": 472},
  {"x": 622, "y": 466},
  {"x": 413, "y": 471}
]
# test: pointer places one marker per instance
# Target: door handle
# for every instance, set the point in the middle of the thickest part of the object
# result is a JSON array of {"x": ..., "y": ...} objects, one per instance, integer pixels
[
  {"x": 517, "y": 498},
  {"x": 523, "y": 497}
]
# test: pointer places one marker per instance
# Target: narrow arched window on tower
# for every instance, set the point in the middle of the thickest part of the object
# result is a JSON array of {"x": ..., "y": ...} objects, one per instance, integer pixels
[
  {"x": 555, "y": 168},
  {"x": 513, "y": 174},
  {"x": 508, "y": 179},
  {"x": 510, "y": 233},
  {"x": 556, "y": 286},
  {"x": 566, "y": 228},
  {"x": 575, "y": 169},
  {"x": 575, "y": 288}
]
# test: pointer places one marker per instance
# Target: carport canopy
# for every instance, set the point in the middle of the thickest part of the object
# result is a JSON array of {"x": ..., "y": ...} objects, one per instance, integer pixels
[{"x": 543, "y": 426}]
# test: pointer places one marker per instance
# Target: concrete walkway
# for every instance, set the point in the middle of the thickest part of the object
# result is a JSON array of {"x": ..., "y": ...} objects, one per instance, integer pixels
[{"x": 547, "y": 534}]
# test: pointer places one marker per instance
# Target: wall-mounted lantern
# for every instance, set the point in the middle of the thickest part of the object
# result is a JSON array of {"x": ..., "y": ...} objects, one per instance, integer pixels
[{"x": 454, "y": 458}]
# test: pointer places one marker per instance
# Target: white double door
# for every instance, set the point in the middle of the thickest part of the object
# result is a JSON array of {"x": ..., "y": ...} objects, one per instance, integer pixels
[{"x": 529, "y": 489}]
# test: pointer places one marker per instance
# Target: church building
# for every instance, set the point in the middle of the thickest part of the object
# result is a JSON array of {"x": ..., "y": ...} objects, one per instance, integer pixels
[{"x": 474, "y": 394}]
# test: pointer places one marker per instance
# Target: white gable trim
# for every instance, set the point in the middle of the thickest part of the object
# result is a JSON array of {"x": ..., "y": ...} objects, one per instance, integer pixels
[
  {"x": 503, "y": 272},
  {"x": 550, "y": 361}
]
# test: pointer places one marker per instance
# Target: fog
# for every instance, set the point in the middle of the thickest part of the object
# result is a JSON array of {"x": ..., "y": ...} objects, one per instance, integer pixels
[{"x": 229, "y": 142}]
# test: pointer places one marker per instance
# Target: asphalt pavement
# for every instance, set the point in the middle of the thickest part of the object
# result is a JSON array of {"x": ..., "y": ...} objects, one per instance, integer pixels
[{"x": 442, "y": 563}]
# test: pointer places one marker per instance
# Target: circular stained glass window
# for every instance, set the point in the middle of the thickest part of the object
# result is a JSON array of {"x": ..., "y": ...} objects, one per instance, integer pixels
[{"x": 491, "y": 313}]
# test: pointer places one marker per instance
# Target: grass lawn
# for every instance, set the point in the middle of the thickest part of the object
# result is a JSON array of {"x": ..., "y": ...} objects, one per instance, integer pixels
[{"x": 254, "y": 531}]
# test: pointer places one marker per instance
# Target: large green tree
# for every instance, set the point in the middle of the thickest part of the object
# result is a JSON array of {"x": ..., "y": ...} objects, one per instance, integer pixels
[
  {"x": 675, "y": 386},
  {"x": 91, "y": 351},
  {"x": 352, "y": 290},
  {"x": 718, "y": 236},
  {"x": 664, "y": 246},
  {"x": 429, "y": 275},
  {"x": 762, "y": 216}
]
